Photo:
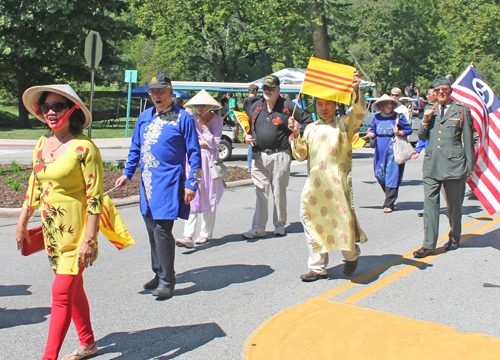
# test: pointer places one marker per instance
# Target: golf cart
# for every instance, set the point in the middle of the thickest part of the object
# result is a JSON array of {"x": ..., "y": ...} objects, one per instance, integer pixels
[{"x": 227, "y": 142}]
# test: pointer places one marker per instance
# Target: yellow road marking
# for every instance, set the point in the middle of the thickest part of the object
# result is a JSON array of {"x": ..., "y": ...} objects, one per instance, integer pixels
[
  {"x": 410, "y": 267},
  {"x": 377, "y": 271},
  {"x": 325, "y": 330}
]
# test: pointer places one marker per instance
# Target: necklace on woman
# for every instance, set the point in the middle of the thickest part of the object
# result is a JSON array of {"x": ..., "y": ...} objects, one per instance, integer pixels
[{"x": 58, "y": 146}]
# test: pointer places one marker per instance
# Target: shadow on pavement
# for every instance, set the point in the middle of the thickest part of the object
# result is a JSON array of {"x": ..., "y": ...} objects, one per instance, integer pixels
[
  {"x": 14, "y": 290},
  {"x": 370, "y": 267},
  {"x": 169, "y": 341},
  {"x": 16, "y": 317},
  {"x": 217, "y": 277},
  {"x": 483, "y": 241},
  {"x": 356, "y": 155}
]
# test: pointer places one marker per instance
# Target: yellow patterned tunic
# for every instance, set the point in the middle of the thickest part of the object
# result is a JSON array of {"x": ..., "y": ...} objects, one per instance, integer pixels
[
  {"x": 327, "y": 199},
  {"x": 66, "y": 189}
]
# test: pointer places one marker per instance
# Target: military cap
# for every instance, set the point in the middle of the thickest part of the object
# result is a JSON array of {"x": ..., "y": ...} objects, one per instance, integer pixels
[{"x": 440, "y": 81}]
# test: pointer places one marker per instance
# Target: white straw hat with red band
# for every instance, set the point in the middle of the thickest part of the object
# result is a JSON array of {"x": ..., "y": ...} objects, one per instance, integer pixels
[{"x": 31, "y": 96}]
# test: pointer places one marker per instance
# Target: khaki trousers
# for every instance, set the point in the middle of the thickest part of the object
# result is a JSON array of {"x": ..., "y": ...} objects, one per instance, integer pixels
[{"x": 271, "y": 172}]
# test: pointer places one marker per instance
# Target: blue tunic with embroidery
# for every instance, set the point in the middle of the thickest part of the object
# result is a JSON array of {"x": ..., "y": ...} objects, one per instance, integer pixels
[
  {"x": 160, "y": 143},
  {"x": 386, "y": 169}
]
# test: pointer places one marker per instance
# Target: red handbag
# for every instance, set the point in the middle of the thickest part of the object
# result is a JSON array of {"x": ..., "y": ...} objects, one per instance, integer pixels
[{"x": 37, "y": 242}]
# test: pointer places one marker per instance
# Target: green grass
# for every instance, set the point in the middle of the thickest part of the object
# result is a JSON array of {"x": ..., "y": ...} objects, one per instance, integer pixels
[
  {"x": 9, "y": 114},
  {"x": 112, "y": 166},
  {"x": 14, "y": 166},
  {"x": 14, "y": 185},
  {"x": 98, "y": 131}
]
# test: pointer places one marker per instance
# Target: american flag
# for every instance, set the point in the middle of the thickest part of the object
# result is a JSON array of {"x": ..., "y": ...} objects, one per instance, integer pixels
[{"x": 471, "y": 90}]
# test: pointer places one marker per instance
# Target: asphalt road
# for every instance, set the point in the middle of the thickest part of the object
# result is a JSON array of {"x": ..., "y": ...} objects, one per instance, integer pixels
[{"x": 230, "y": 286}]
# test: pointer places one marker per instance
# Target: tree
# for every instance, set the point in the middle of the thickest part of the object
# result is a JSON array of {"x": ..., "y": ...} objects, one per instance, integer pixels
[
  {"x": 42, "y": 42},
  {"x": 397, "y": 41}
]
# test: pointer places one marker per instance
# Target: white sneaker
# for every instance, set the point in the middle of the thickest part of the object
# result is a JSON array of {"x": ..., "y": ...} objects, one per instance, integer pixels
[
  {"x": 186, "y": 242},
  {"x": 280, "y": 231},
  {"x": 200, "y": 240},
  {"x": 254, "y": 233}
]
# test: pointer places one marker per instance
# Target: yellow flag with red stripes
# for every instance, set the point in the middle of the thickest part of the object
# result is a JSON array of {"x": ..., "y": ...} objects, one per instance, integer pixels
[
  {"x": 112, "y": 226},
  {"x": 357, "y": 142},
  {"x": 328, "y": 80},
  {"x": 244, "y": 120}
]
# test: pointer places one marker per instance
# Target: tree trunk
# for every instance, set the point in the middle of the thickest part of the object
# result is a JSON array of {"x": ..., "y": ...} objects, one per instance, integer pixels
[
  {"x": 22, "y": 84},
  {"x": 321, "y": 43}
]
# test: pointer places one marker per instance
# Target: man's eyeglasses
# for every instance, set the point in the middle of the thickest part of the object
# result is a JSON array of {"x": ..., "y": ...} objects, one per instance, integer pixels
[
  {"x": 55, "y": 107},
  {"x": 200, "y": 106},
  {"x": 267, "y": 88},
  {"x": 157, "y": 91},
  {"x": 395, "y": 95},
  {"x": 441, "y": 89}
]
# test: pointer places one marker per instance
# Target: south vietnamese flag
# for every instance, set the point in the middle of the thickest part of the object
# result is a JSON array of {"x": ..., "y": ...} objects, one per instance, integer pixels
[
  {"x": 328, "y": 80},
  {"x": 112, "y": 226}
]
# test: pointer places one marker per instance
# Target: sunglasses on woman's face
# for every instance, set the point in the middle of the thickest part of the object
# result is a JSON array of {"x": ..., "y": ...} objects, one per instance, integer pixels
[{"x": 55, "y": 107}]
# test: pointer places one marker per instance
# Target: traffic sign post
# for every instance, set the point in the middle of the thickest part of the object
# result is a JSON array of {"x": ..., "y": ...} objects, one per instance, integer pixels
[
  {"x": 93, "y": 54},
  {"x": 130, "y": 77}
]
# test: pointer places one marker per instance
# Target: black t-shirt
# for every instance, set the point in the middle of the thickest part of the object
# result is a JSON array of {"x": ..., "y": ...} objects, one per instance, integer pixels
[
  {"x": 270, "y": 129},
  {"x": 247, "y": 104}
]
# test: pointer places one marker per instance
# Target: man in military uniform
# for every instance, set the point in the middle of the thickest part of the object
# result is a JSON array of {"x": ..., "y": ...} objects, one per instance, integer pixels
[{"x": 449, "y": 162}]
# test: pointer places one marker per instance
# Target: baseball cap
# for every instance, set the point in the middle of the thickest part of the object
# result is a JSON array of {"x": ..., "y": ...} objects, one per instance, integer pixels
[
  {"x": 271, "y": 81},
  {"x": 158, "y": 81}
]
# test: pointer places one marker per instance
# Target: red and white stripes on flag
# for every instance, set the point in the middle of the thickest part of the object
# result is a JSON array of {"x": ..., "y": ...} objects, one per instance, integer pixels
[{"x": 471, "y": 90}]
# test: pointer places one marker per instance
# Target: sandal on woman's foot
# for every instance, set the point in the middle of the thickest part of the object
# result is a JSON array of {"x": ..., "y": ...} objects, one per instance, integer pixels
[
  {"x": 79, "y": 354},
  {"x": 387, "y": 210},
  {"x": 201, "y": 240}
]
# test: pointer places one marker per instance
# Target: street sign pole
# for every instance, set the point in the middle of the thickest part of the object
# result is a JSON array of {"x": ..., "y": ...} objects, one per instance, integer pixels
[
  {"x": 92, "y": 66},
  {"x": 130, "y": 77},
  {"x": 93, "y": 54}
]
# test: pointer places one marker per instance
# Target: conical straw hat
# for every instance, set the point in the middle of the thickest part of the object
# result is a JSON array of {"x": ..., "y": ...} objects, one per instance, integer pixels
[
  {"x": 384, "y": 98},
  {"x": 203, "y": 98},
  {"x": 31, "y": 96}
]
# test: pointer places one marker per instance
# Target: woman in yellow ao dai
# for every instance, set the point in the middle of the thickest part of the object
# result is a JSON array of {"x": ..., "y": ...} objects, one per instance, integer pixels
[{"x": 327, "y": 207}]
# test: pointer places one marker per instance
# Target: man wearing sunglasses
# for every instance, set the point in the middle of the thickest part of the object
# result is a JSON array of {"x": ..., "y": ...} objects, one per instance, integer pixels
[
  {"x": 162, "y": 138},
  {"x": 271, "y": 155},
  {"x": 449, "y": 163}
]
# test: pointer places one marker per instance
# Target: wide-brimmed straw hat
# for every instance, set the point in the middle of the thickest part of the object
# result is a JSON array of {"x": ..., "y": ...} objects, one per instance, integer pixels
[
  {"x": 203, "y": 98},
  {"x": 382, "y": 99},
  {"x": 31, "y": 96}
]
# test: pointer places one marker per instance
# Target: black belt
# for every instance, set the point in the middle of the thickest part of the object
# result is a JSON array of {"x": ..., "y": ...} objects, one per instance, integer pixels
[{"x": 273, "y": 151}]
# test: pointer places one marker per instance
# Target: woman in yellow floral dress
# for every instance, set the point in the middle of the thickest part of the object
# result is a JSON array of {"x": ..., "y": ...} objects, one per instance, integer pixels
[
  {"x": 66, "y": 184},
  {"x": 327, "y": 207}
]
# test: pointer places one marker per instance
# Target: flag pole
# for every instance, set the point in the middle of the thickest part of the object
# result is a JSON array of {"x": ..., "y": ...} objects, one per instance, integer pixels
[{"x": 297, "y": 102}]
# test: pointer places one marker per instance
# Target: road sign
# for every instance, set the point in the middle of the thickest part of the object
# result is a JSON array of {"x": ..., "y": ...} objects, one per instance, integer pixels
[
  {"x": 131, "y": 76},
  {"x": 93, "y": 49}
]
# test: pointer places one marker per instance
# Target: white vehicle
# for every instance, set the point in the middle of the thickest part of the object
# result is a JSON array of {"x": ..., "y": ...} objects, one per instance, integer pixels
[{"x": 227, "y": 143}]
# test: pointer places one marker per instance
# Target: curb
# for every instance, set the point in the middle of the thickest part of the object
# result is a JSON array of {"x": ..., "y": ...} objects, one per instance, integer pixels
[{"x": 131, "y": 200}]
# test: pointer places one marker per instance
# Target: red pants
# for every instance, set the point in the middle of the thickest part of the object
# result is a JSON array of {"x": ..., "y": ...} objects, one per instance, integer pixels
[{"x": 68, "y": 302}]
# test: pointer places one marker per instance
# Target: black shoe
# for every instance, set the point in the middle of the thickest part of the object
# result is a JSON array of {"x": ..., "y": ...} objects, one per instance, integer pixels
[
  {"x": 350, "y": 266},
  {"x": 423, "y": 252},
  {"x": 163, "y": 292},
  {"x": 420, "y": 214},
  {"x": 152, "y": 284},
  {"x": 312, "y": 276},
  {"x": 452, "y": 244}
]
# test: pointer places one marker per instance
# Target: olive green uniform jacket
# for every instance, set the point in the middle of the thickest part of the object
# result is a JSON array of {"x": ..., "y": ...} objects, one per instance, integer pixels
[{"x": 447, "y": 155}]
